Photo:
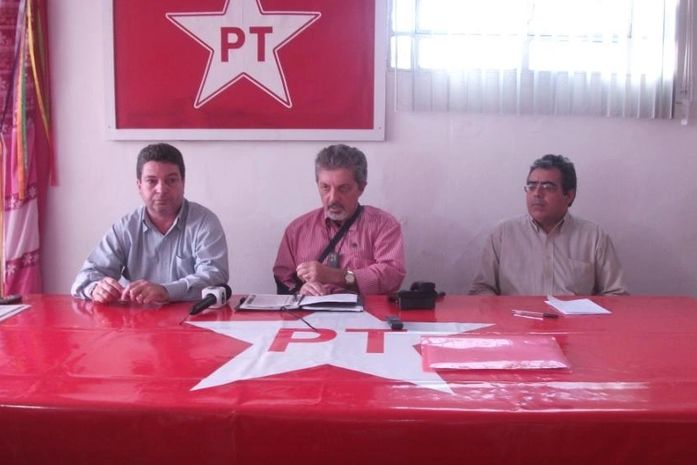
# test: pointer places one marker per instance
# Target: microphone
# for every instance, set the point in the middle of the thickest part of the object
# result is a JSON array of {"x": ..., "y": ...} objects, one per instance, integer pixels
[{"x": 212, "y": 296}]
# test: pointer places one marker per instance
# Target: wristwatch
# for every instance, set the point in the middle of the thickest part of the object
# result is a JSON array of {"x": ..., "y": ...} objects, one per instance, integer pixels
[{"x": 350, "y": 278}]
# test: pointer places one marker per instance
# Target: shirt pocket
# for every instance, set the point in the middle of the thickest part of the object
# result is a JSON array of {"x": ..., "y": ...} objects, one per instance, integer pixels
[
  {"x": 355, "y": 258},
  {"x": 183, "y": 265},
  {"x": 582, "y": 276}
]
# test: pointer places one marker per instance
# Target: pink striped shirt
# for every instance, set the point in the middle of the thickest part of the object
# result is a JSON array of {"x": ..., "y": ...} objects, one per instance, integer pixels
[{"x": 372, "y": 248}]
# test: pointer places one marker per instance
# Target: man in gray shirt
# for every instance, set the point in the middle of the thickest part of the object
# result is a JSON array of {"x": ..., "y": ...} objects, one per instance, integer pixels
[
  {"x": 549, "y": 251},
  {"x": 167, "y": 250}
]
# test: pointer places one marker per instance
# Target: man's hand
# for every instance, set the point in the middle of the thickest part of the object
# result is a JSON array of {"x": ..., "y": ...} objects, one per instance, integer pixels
[
  {"x": 313, "y": 288},
  {"x": 314, "y": 271},
  {"x": 107, "y": 290},
  {"x": 145, "y": 292}
]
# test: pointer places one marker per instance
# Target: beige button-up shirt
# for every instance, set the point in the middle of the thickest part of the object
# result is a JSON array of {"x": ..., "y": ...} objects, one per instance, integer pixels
[{"x": 575, "y": 258}]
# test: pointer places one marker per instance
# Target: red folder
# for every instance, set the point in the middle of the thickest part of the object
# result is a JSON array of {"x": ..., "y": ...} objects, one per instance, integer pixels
[{"x": 525, "y": 352}]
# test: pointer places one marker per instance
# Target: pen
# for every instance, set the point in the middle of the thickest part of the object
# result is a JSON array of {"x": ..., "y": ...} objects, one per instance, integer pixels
[
  {"x": 530, "y": 314},
  {"x": 286, "y": 309},
  {"x": 308, "y": 324}
]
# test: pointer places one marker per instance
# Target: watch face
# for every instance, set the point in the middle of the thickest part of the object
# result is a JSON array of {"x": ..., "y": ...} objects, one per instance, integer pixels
[{"x": 350, "y": 278}]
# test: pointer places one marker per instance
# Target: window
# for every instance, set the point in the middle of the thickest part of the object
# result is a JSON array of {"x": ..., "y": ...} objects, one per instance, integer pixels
[{"x": 612, "y": 57}]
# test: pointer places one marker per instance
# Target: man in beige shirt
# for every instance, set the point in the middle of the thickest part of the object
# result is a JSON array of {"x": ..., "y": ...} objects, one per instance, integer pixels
[{"x": 548, "y": 251}]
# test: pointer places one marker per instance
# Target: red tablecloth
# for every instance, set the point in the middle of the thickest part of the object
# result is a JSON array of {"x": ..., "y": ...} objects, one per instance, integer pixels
[{"x": 83, "y": 383}]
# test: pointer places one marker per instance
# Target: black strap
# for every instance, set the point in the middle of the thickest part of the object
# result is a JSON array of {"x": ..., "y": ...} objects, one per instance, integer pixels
[
  {"x": 339, "y": 234},
  {"x": 281, "y": 288}
]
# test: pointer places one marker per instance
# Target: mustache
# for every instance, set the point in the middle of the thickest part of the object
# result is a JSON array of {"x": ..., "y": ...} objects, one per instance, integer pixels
[{"x": 335, "y": 205}]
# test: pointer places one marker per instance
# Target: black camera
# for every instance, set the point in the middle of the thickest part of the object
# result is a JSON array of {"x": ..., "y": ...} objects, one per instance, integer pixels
[{"x": 420, "y": 296}]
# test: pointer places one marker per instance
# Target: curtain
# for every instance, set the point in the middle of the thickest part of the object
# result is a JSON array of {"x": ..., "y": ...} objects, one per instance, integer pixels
[
  {"x": 25, "y": 153},
  {"x": 686, "y": 44},
  {"x": 562, "y": 57}
]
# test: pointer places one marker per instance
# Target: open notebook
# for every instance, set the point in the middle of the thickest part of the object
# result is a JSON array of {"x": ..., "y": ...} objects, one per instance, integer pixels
[{"x": 331, "y": 302}]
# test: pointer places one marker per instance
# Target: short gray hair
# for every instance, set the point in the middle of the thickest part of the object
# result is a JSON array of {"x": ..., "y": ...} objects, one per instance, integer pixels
[{"x": 342, "y": 156}]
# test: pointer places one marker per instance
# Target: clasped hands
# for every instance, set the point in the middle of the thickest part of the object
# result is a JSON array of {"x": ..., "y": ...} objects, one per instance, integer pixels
[
  {"x": 318, "y": 278},
  {"x": 141, "y": 291}
]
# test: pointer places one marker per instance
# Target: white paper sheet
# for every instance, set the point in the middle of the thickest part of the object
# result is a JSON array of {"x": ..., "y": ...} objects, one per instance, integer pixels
[
  {"x": 577, "y": 306},
  {"x": 6, "y": 311}
]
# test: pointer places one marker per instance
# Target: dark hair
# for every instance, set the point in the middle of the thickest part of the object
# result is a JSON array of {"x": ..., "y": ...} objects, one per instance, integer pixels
[
  {"x": 563, "y": 164},
  {"x": 342, "y": 156},
  {"x": 162, "y": 153}
]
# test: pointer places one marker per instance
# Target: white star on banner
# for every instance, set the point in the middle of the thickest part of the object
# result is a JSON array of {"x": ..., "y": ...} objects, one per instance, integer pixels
[
  {"x": 341, "y": 340},
  {"x": 243, "y": 40}
]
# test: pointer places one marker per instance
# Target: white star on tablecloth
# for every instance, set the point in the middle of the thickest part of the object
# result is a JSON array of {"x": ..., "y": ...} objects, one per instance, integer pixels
[
  {"x": 348, "y": 349},
  {"x": 267, "y": 74}
]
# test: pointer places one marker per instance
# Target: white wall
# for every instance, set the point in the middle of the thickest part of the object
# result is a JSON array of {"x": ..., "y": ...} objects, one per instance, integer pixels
[{"x": 447, "y": 177}]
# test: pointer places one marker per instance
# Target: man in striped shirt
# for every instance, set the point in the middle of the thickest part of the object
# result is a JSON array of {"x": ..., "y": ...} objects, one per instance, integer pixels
[
  {"x": 368, "y": 258},
  {"x": 548, "y": 251}
]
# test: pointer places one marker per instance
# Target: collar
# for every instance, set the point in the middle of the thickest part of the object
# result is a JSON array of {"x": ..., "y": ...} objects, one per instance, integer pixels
[
  {"x": 557, "y": 227},
  {"x": 178, "y": 223},
  {"x": 330, "y": 223}
]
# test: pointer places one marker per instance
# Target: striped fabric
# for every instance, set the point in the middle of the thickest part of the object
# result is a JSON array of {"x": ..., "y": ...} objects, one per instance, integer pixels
[{"x": 25, "y": 154}]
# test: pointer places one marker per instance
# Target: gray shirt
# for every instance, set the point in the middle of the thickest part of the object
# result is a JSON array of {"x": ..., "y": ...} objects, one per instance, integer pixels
[
  {"x": 575, "y": 258},
  {"x": 187, "y": 258}
]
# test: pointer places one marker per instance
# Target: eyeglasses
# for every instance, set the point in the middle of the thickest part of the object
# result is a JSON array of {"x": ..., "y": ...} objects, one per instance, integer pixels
[{"x": 542, "y": 186}]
